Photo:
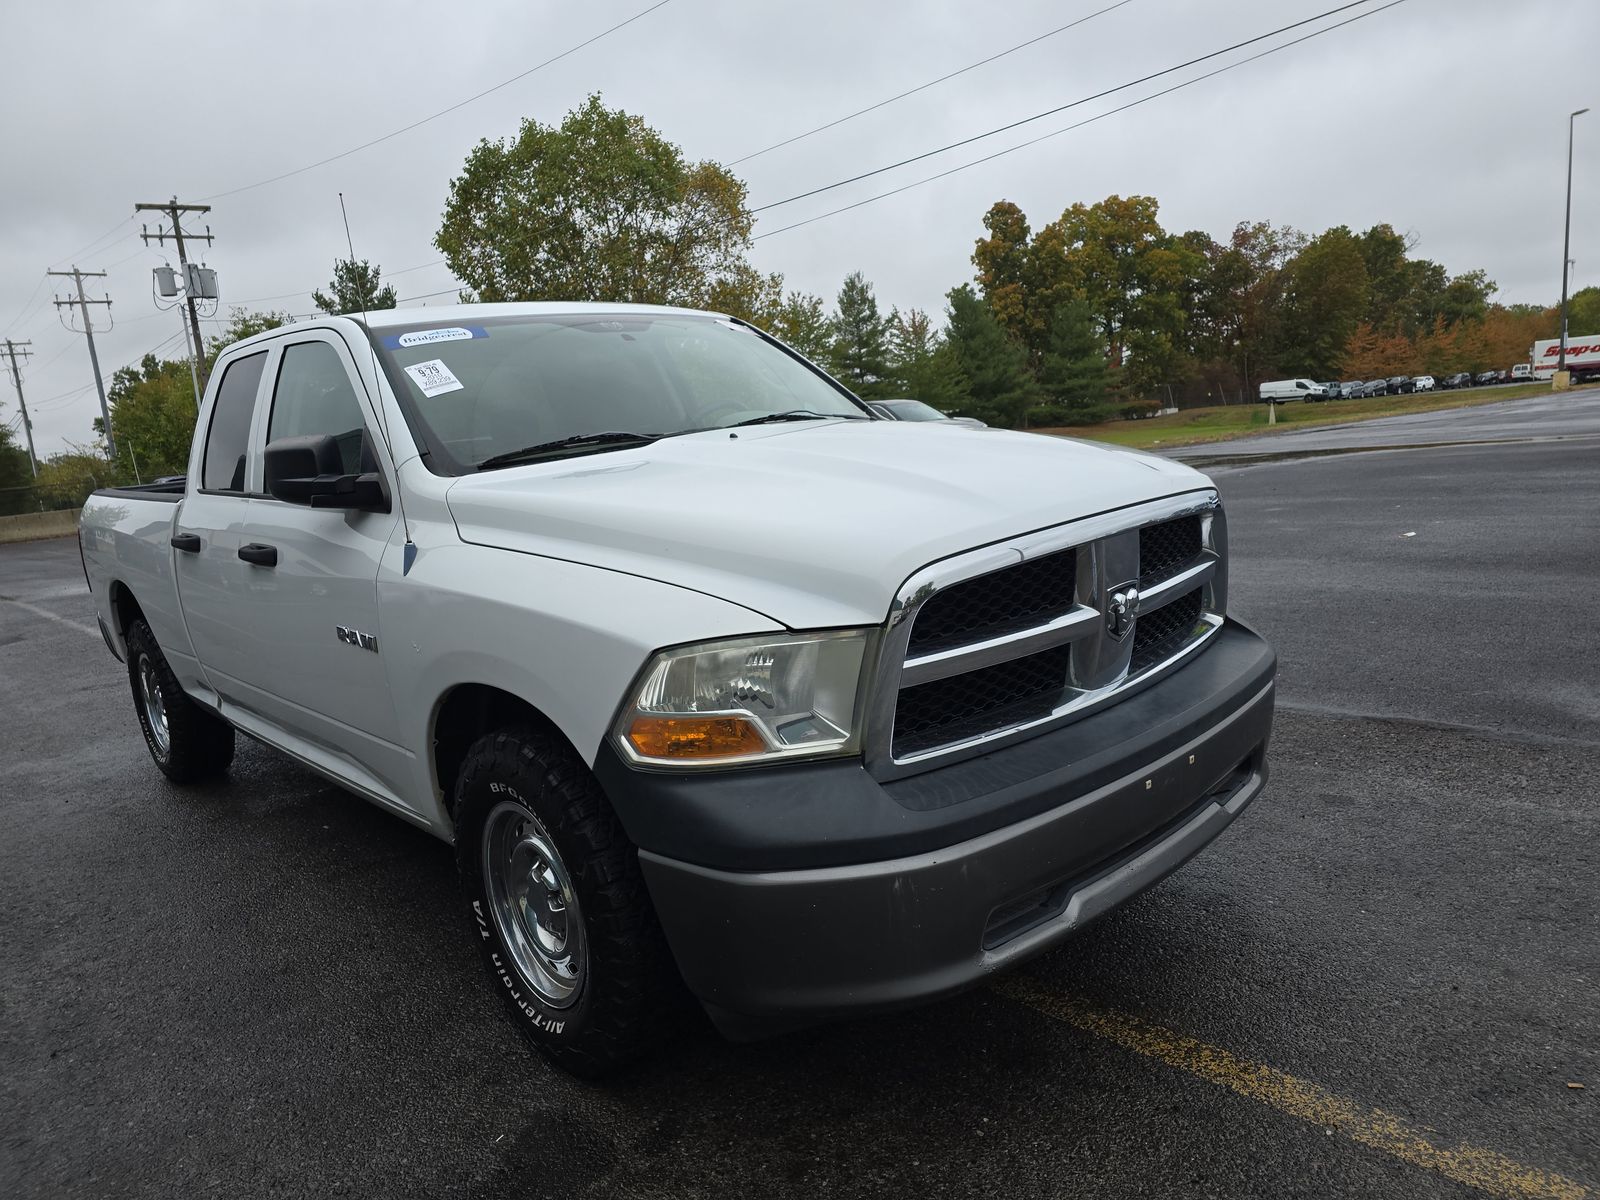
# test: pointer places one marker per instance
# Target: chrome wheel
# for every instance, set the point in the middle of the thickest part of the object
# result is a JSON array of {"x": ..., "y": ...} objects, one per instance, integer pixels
[
  {"x": 534, "y": 906},
  {"x": 155, "y": 710}
]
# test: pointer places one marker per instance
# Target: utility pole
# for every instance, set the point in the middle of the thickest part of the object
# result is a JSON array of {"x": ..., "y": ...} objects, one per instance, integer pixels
[
  {"x": 13, "y": 349},
  {"x": 83, "y": 303},
  {"x": 1566, "y": 242},
  {"x": 173, "y": 209}
]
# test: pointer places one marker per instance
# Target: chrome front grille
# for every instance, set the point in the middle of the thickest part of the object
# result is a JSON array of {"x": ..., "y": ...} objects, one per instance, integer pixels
[{"x": 1005, "y": 641}]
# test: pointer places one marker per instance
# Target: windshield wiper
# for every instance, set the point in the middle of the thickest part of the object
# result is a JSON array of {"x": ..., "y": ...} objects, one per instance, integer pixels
[
  {"x": 575, "y": 442},
  {"x": 795, "y": 414}
]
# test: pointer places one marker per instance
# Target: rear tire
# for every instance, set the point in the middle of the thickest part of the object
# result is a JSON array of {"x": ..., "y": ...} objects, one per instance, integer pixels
[
  {"x": 186, "y": 741},
  {"x": 559, "y": 906}
]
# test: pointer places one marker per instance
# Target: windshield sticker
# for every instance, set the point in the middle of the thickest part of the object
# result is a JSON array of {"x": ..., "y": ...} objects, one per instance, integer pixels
[
  {"x": 426, "y": 337},
  {"x": 434, "y": 378}
]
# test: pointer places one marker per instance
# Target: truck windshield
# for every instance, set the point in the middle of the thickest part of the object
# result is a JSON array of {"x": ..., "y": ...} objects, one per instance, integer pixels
[{"x": 486, "y": 389}]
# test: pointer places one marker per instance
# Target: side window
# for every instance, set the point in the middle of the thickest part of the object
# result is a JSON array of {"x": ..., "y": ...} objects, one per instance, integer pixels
[
  {"x": 314, "y": 395},
  {"x": 222, "y": 468}
]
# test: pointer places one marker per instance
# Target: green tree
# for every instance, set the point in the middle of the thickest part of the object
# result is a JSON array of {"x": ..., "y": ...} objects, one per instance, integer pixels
[
  {"x": 152, "y": 405},
  {"x": 600, "y": 208},
  {"x": 355, "y": 288},
  {"x": 802, "y": 322},
  {"x": 242, "y": 324},
  {"x": 1583, "y": 314},
  {"x": 916, "y": 363},
  {"x": 16, "y": 475},
  {"x": 859, "y": 355},
  {"x": 1325, "y": 297},
  {"x": 153, "y": 412},
  {"x": 992, "y": 368},
  {"x": 1384, "y": 252},
  {"x": 1073, "y": 373}
]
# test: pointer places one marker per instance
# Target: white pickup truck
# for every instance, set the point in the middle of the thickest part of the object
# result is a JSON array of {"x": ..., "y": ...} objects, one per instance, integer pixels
[{"x": 713, "y": 679}]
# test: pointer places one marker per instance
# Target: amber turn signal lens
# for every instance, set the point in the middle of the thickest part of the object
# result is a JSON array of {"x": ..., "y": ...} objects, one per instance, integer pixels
[{"x": 695, "y": 737}]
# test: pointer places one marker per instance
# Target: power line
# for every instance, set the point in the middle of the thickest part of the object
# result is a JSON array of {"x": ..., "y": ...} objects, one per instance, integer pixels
[
  {"x": 443, "y": 111},
  {"x": 922, "y": 87},
  {"x": 1121, "y": 87},
  {"x": 79, "y": 253},
  {"x": 21, "y": 312},
  {"x": 427, "y": 295},
  {"x": 1077, "y": 125}
]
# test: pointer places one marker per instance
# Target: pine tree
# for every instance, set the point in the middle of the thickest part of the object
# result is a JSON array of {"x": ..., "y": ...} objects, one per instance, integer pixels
[
  {"x": 859, "y": 356},
  {"x": 356, "y": 287},
  {"x": 1073, "y": 372},
  {"x": 999, "y": 386}
]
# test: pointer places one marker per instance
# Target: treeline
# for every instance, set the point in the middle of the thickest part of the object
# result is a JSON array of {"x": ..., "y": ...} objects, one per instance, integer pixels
[
  {"x": 1098, "y": 313},
  {"x": 1102, "y": 312}
]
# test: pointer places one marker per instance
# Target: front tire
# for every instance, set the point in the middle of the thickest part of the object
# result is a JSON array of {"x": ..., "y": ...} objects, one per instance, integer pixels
[
  {"x": 560, "y": 909},
  {"x": 188, "y": 743}
]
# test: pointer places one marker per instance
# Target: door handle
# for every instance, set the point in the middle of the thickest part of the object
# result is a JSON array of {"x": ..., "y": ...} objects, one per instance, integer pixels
[
  {"x": 259, "y": 553},
  {"x": 187, "y": 542}
]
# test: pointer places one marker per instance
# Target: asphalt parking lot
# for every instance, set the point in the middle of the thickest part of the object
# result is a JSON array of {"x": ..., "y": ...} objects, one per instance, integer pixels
[{"x": 1380, "y": 982}]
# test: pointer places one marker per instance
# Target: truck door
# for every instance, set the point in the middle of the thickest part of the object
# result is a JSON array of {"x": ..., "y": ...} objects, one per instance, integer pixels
[
  {"x": 211, "y": 529},
  {"x": 312, "y": 605}
]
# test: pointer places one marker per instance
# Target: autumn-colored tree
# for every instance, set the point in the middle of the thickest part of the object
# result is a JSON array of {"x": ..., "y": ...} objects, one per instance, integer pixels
[
  {"x": 1509, "y": 331},
  {"x": 1371, "y": 353},
  {"x": 1004, "y": 261},
  {"x": 748, "y": 294},
  {"x": 601, "y": 207}
]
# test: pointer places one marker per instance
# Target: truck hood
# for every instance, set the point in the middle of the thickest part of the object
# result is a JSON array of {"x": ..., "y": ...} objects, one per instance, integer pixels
[{"x": 813, "y": 525}]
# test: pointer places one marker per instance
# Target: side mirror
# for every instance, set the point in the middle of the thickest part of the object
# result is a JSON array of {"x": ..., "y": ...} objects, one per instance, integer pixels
[{"x": 309, "y": 470}]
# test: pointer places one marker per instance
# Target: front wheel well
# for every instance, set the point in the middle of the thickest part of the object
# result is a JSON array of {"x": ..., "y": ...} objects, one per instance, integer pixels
[{"x": 467, "y": 712}]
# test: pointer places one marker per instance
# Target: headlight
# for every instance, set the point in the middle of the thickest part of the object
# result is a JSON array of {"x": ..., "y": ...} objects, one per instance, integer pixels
[{"x": 746, "y": 700}]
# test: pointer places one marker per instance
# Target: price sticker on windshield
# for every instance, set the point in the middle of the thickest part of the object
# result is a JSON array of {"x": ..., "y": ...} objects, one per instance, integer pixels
[{"x": 434, "y": 378}]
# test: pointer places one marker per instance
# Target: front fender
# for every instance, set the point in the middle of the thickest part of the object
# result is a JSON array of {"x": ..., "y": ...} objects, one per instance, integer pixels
[{"x": 568, "y": 639}]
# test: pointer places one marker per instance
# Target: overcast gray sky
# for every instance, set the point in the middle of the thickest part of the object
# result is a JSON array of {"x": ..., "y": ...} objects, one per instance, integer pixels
[{"x": 1446, "y": 118}]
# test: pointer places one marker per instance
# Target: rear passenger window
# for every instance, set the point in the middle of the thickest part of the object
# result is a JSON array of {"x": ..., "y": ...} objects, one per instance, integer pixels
[
  {"x": 222, "y": 469},
  {"x": 314, "y": 396}
]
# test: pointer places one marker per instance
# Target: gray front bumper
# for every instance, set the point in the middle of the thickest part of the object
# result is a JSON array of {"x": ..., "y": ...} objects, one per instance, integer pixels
[{"x": 777, "y": 949}]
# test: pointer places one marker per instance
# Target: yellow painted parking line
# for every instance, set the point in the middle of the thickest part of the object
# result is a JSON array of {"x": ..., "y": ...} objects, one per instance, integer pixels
[{"x": 1472, "y": 1165}]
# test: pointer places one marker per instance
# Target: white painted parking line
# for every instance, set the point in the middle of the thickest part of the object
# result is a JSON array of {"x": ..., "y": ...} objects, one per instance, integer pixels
[{"x": 50, "y": 616}]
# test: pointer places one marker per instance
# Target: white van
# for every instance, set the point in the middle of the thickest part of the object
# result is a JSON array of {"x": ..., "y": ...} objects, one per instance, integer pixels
[
  {"x": 1280, "y": 390},
  {"x": 1522, "y": 373}
]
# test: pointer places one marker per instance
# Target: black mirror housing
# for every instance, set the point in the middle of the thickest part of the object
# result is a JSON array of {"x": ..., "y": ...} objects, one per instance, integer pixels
[{"x": 309, "y": 470}]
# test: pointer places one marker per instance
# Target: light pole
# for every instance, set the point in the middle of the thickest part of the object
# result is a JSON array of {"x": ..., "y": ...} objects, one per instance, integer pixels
[{"x": 1566, "y": 242}]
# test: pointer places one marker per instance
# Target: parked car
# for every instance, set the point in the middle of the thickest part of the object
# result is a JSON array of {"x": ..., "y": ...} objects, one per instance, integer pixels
[
  {"x": 1422, "y": 383},
  {"x": 916, "y": 410},
  {"x": 1488, "y": 377},
  {"x": 1521, "y": 373},
  {"x": 1280, "y": 391},
  {"x": 688, "y": 657},
  {"x": 1352, "y": 389},
  {"x": 1460, "y": 379},
  {"x": 1400, "y": 383},
  {"x": 1332, "y": 390},
  {"x": 1375, "y": 387}
]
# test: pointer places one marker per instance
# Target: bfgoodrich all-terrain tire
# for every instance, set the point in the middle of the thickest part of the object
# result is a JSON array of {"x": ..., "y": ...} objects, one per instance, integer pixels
[
  {"x": 558, "y": 905},
  {"x": 188, "y": 743}
]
